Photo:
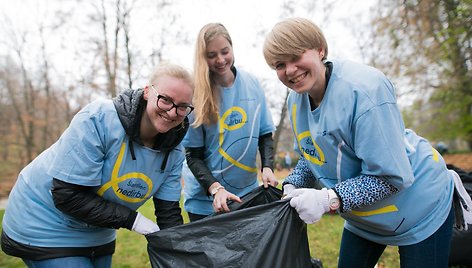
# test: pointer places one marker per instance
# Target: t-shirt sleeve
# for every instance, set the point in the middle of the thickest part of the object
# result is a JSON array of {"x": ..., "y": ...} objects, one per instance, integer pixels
[
  {"x": 194, "y": 137},
  {"x": 380, "y": 144},
  {"x": 80, "y": 152}
]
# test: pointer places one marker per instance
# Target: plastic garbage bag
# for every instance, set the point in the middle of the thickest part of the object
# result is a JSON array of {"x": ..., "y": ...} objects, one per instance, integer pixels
[
  {"x": 263, "y": 231},
  {"x": 461, "y": 242}
]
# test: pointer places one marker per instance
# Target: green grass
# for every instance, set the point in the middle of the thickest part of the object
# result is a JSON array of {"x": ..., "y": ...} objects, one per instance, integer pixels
[{"x": 324, "y": 238}]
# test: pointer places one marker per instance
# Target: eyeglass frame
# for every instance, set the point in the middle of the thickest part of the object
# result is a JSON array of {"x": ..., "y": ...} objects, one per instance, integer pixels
[{"x": 186, "y": 106}]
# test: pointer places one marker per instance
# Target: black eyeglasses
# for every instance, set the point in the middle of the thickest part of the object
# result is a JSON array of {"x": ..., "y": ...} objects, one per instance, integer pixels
[{"x": 166, "y": 104}]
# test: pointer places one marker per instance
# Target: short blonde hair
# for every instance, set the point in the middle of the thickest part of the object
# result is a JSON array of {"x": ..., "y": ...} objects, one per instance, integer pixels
[
  {"x": 173, "y": 70},
  {"x": 291, "y": 38}
]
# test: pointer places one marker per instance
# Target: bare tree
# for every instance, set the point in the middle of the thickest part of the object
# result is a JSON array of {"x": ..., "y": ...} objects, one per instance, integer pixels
[
  {"x": 25, "y": 106},
  {"x": 47, "y": 92},
  {"x": 281, "y": 124}
]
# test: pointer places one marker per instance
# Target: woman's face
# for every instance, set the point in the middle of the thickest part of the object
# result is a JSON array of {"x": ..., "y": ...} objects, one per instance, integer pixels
[
  {"x": 172, "y": 90},
  {"x": 219, "y": 56},
  {"x": 303, "y": 74}
]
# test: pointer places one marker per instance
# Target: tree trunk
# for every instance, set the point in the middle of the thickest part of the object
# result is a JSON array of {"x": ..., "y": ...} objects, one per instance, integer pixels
[{"x": 280, "y": 125}]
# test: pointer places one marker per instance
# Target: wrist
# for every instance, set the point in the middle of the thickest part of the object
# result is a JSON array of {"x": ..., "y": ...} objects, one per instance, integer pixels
[
  {"x": 333, "y": 201},
  {"x": 215, "y": 190}
]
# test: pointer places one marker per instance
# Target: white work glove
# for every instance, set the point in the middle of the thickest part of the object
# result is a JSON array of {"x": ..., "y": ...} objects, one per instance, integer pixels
[
  {"x": 310, "y": 204},
  {"x": 465, "y": 201},
  {"x": 288, "y": 188},
  {"x": 144, "y": 226}
]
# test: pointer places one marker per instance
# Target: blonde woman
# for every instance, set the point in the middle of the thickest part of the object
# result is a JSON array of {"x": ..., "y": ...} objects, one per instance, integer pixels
[
  {"x": 231, "y": 122},
  {"x": 68, "y": 202}
]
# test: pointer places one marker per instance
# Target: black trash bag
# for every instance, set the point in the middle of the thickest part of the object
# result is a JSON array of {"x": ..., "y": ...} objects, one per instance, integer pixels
[
  {"x": 461, "y": 242},
  {"x": 265, "y": 235},
  {"x": 258, "y": 196}
]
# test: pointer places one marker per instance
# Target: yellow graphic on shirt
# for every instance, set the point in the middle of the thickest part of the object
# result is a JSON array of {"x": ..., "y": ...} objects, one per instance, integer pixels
[
  {"x": 387, "y": 209},
  {"x": 115, "y": 180},
  {"x": 435, "y": 154},
  {"x": 232, "y": 125},
  {"x": 306, "y": 134}
]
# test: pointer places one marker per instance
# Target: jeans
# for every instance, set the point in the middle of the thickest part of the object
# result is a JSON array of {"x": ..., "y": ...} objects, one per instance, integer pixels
[
  {"x": 430, "y": 253},
  {"x": 195, "y": 217},
  {"x": 73, "y": 262}
]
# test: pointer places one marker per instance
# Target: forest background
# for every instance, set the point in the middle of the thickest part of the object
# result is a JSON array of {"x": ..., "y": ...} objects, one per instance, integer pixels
[{"x": 57, "y": 56}]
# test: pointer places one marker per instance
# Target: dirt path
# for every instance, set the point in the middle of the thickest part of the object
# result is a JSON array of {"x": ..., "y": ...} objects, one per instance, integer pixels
[{"x": 3, "y": 203}]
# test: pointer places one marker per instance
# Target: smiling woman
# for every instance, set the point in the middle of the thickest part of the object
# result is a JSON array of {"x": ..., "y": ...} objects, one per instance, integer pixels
[
  {"x": 352, "y": 139},
  {"x": 115, "y": 155},
  {"x": 230, "y": 124}
]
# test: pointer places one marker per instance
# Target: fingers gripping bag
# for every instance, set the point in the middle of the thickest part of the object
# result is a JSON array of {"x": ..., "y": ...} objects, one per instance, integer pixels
[{"x": 262, "y": 231}]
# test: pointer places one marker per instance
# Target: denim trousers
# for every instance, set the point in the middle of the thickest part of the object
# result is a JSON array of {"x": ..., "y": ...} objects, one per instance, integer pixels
[
  {"x": 74, "y": 261},
  {"x": 433, "y": 252}
]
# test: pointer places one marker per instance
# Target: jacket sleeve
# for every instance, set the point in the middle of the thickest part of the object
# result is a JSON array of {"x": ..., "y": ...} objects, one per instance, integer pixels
[
  {"x": 198, "y": 167},
  {"x": 82, "y": 203},
  {"x": 266, "y": 150},
  {"x": 168, "y": 213}
]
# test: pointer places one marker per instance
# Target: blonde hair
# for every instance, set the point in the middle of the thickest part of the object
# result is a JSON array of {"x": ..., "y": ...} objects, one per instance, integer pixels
[
  {"x": 291, "y": 38},
  {"x": 173, "y": 70},
  {"x": 206, "y": 95}
]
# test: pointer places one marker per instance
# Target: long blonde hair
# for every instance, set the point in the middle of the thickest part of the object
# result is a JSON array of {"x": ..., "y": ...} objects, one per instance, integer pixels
[
  {"x": 291, "y": 38},
  {"x": 206, "y": 95}
]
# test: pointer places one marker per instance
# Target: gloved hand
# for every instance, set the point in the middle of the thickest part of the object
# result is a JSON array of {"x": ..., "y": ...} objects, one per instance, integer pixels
[
  {"x": 288, "y": 188},
  {"x": 144, "y": 226},
  {"x": 310, "y": 204}
]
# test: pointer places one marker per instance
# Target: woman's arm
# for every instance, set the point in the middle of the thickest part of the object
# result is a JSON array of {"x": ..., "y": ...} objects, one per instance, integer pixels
[
  {"x": 82, "y": 203},
  {"x": 198, "y": 167}
]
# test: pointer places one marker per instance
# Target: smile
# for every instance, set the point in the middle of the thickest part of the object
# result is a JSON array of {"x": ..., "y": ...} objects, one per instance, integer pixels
[
  {"x": 220, "y": 66},
  {"x": 297, "y": 78},
  {"x": 166, "y": 119}
]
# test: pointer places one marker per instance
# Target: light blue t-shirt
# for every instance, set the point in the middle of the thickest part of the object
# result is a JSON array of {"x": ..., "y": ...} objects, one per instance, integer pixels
[
  {"x": 93, "y": 151},
  {"x": 358, "y": 130},
  {"x": 231, "y": 145}
]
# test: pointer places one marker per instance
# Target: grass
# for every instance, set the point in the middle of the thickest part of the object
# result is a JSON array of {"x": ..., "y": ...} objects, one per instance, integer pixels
[{"x": 324, "y": 239}]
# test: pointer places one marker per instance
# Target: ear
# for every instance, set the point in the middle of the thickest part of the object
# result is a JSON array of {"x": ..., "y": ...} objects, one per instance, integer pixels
[
  {"x": 321, "y": 52},
  {"x": 146, "y": 93}
]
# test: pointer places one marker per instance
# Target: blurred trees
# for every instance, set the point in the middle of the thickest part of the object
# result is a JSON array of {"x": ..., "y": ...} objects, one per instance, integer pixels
[
  {"x": 51, "y": 68},
  {"x": 426, "y": 46}
]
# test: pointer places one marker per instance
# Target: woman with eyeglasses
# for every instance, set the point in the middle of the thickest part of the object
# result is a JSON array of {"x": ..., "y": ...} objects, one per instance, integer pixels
[
  {"x": 230, "y": 124},
  {"x": 115, "y": 155}
]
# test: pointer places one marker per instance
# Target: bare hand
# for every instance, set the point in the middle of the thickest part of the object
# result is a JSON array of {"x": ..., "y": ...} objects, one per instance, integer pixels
[
  {"x": 268, "y": 177},
  {"x": 220, "y": 198}
]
